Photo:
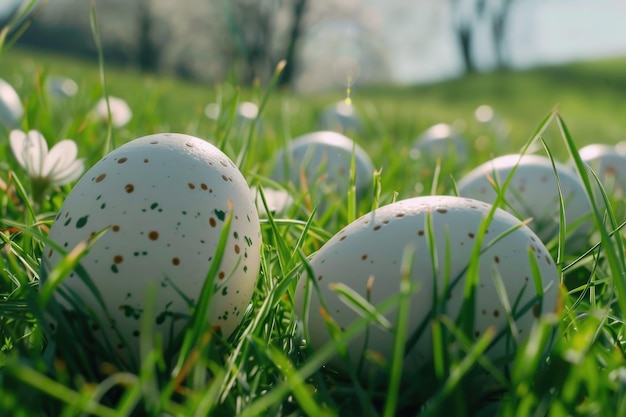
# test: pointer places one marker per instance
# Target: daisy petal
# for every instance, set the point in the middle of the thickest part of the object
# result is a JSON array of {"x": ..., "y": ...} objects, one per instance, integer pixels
[
  {"x": 61, "y": 155},
  {"x": 17, "y": 139},
  {"x": 69, "y": 173},
  {"x": 35, "y": 152},
  {"x": 120, "y": 111}
]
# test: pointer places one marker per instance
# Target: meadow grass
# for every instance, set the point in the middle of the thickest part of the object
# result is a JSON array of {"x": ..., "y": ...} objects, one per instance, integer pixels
[{"x": 572, "y": 363}]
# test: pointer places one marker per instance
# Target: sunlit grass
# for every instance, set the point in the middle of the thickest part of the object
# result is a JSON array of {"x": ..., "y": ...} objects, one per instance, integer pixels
[{"x": 572, "y": 363}]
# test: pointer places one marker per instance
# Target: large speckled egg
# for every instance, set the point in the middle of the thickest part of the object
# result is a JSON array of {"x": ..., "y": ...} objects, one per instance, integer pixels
[
  {"x": 367, "y": 256},
  {"x": 323, "y": 159},
  {"x": 10, "y": 105},
  {"x": 164, "y": 199},
  {"x": 534, "y": 193}
]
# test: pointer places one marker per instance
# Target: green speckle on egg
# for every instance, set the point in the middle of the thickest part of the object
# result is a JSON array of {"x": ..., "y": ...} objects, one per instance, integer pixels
[
  {"x": 82, "y": 222},
  {"x": 221, "y": 214}
]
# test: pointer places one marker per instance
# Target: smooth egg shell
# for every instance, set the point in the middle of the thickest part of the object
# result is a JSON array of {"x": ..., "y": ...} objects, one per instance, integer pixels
[
  {"x": 324, "y": 157},
  {"x": 533, "y": 192},
  {"x": 164, "y": 199},
  {"x": 440, "y": 141},
  {"x": 609, "y": 164},
  {"x": 372, "y": 247},
  {"x": 341, "y": 117}
]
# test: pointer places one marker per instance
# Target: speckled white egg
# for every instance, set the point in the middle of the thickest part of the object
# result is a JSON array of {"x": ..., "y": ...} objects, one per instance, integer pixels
[
  {"x": 164, "y": 199},
  {"x": 10, "y": 105},
  {"x": 371, "y": 249},
  {"x": 341, "y": 117},
  {"x": 533, "y": 192},
  {"x": 609, "y": 164},
  {"x": 440, "y": 141},
  {"x": 324, "y": 157}
]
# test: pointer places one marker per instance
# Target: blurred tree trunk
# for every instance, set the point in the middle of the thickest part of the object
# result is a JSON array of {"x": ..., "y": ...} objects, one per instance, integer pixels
[
  {"x": 299, "y": 7},
  {"x": 467, "y": 16},
  {"x": 464, "y": 35},
  {"x": 147, "y": 52},
  {"x": 498, "y": 28}
]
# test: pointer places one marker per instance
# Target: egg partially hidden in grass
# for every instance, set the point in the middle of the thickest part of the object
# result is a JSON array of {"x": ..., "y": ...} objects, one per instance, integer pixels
[
  {"x": 341, "y": 117},
  {"x": 440, "y": 231},
  {"x": 163, "y": 200},
  {"x": 609, "y": 165},
  {"x": 534, "y": 193},
  {"x": 440, "y": 142},
  {"x": 321, "y": 161}
]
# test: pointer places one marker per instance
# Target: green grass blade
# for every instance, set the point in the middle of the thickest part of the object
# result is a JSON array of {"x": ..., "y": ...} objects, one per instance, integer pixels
[
  {"x": 109, "y": 142},
  {"x": 400, "y": 334}
]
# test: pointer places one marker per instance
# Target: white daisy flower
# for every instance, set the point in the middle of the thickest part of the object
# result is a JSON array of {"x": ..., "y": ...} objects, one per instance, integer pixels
[
  {"x": 120, "y": 111},
  {"x": 10, "y": 106},
  {"x": 45, "y": 168}
]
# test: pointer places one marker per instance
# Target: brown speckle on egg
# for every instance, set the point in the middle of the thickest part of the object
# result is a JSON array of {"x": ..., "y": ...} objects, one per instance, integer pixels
[
  {"x": 176, "y": 261},
  {"x": 129, "y": 188},
  {"x": 101, "y": 177},
  {"x": 364, "y": 256},
  {"x": 377, "y": 227},
  {"x": 212, "y": 221},
  {"x": 153, "y": 235},
  {"x": 536, "y": 310},
  {"x": 221, "y": 275},
  {"x": 191, "y": 186},
  {"x": 237, "y": 249},
  {"x": 496, "y": 313},
  {"x": 122, "y": 160}
]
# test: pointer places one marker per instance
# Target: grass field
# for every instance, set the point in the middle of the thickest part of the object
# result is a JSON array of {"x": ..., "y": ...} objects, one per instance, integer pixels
[{"x": 572, "y": 363}]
